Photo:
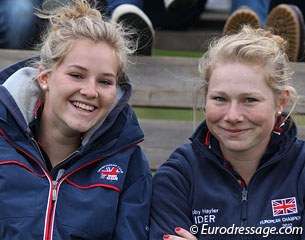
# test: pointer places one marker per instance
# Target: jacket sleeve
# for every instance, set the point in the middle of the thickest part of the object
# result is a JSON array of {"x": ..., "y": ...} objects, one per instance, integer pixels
[
  {"x": 171, "y": 203},
  {"x": 135, "y": 201}
]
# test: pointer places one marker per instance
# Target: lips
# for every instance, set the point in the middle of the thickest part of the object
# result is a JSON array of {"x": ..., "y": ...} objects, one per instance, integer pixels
[
  {"x": 234, "y": 130},
  {"x": 84, "y": 106}
]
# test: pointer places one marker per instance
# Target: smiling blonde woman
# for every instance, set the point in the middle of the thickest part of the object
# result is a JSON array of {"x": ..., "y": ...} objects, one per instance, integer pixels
[
  {"x": 70, "y": 163},
  {"x": 243, "y": 174}
]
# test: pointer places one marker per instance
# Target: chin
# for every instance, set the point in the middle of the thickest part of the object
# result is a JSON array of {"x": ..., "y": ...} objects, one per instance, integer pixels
[
  {"x": 80, "y": 129},
  {"x": 236, "y": 147}
]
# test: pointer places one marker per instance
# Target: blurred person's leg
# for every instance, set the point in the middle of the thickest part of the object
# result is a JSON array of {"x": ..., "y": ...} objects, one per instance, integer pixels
[
  {"x": 19, "y": 25},
  {"x": 176, "y": 20},
  {"x": 113, "y": 4}
]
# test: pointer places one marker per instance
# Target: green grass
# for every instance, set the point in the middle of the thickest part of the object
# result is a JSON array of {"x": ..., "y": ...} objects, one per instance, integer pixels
[
  {"x": 168, "y": 114},
  {"x": 299, "y": 119}
]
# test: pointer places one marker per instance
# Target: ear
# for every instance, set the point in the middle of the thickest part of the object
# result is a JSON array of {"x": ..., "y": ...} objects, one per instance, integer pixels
[
  {"x": 43, "y": 79},
  {"x": 283, "y": 101}
]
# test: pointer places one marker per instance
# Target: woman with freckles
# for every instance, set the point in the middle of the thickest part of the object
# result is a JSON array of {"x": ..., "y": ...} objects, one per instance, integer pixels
[
  {"x": 70, "y": 163},
  {"x": 243, "y": 172}
]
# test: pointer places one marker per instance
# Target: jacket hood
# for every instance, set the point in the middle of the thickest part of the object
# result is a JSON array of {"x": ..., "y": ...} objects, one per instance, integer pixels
[{"x": 21, "y": 90}]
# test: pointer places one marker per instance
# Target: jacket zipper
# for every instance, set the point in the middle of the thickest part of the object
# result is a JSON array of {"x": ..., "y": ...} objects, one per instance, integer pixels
[
  {"x": 244, "y": 201},
  {"x": 51, "y": 207},
  {"x": 55, "y": 183},
  {"x": 244, "y": 196},
  {"x": 50, "y": 211},
  {"x": 244, "y": 214}
]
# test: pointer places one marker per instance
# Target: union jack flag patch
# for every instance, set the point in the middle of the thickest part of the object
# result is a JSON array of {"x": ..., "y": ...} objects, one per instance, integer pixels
[
  {"x": 284, "y": 206},
  {"x": 110, "y": 172}
]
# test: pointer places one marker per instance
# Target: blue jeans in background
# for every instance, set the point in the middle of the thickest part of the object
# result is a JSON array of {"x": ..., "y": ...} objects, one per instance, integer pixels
[
  {"x": 113, "y": 4},
  {"x": 18, "y": 24}
]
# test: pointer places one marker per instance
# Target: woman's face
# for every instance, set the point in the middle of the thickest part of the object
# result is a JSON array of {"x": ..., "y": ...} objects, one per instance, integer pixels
[
  {"x": 240, "y": 108},
  {"x": 82, "y": 88}
]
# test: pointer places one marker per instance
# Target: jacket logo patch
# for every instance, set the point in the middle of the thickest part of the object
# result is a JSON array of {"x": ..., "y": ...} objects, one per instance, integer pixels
[
  {"x": 110, "y": 172},
  {"x": 284, "y": 206}
]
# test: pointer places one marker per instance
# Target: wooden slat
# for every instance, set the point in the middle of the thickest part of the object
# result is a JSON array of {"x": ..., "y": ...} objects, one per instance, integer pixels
[{"x": 162, "y": 137}]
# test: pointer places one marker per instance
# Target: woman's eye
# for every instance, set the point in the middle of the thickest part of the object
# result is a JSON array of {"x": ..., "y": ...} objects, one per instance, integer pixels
[
  {"x": 250, "y": 100},
  {"x": 105, "y": 82},
  {"x": 75, "y": 75},
  {"x": 220, "y": 99}
]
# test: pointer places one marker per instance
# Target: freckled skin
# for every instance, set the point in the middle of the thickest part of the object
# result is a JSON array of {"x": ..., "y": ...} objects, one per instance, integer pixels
[{"x": 240, "y": 108}]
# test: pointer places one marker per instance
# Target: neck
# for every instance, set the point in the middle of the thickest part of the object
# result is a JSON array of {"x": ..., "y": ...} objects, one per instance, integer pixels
[
  {"x": 244, "y": 163},
  {"x": 58, "y": 145}
]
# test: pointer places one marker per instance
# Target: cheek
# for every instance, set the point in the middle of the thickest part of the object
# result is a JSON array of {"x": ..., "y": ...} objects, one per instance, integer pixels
[
  {"x": 262, "y": 117},
  {"x": 109, "y": 96},
  {"x": 113, "y": 95},
  {"x": 213, "y": 113}
]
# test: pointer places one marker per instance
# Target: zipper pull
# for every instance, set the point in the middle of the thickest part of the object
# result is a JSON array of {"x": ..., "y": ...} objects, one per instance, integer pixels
[
  {"x": 244, "y": 200},
  {"x": 54, "y": 183},
  {"x": 244, "y": 195}
]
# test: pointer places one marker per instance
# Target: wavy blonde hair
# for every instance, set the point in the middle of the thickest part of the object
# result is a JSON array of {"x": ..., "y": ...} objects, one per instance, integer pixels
[
  {"x": 256, "y": 47},
  {"x": 75, "y": 20}
]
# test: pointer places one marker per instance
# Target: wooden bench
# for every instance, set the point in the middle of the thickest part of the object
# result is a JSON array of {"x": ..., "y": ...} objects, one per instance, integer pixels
[{"x": 165, "y": 82}]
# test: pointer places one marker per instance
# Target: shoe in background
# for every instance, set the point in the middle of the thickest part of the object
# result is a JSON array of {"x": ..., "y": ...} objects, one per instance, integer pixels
[
  {"x": 133, "y": 17},
  {"x": 287, "y": 21},
  {"x": 242, "y": 16}
]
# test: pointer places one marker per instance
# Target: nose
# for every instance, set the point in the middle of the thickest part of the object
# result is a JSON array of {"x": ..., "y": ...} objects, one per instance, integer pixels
[
  {"x": 233, "y": 113},
  {"x": 89, "y": 89}
]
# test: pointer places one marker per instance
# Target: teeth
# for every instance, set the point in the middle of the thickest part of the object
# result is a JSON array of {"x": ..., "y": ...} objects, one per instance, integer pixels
[{"x": 83, "y": 106}]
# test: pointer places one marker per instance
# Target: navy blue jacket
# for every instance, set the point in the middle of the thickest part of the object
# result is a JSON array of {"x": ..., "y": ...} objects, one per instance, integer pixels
[
  {"x": 101, "y": 191},
  {"x": 197, "y": 188}
]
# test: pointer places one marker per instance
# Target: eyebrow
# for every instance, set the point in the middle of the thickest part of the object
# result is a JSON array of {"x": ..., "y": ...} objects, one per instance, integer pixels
[{"x": 85, "y": 69}]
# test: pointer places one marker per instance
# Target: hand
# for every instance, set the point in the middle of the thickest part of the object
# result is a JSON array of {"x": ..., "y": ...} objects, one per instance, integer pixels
[{"x": 184, "y": 235}]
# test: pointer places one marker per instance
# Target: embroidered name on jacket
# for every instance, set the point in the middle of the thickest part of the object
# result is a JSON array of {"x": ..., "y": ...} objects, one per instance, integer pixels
[{"x": 110, "y": 172}]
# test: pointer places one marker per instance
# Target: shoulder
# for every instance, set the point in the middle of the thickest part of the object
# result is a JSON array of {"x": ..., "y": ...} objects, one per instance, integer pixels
[
  {"x": 137, "y": 168},
  {"x": 178, "y": 167}
]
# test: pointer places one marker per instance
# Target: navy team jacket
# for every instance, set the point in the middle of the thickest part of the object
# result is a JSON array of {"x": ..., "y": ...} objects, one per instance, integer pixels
[
  {"x": 197, "y": 190},
  {"x": 101, "y": 191}
]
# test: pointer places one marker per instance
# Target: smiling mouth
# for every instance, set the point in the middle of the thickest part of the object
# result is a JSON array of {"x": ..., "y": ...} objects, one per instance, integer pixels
[
  {"x": 83, "y": 106},
  {"x": 234, "y": 130}
]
